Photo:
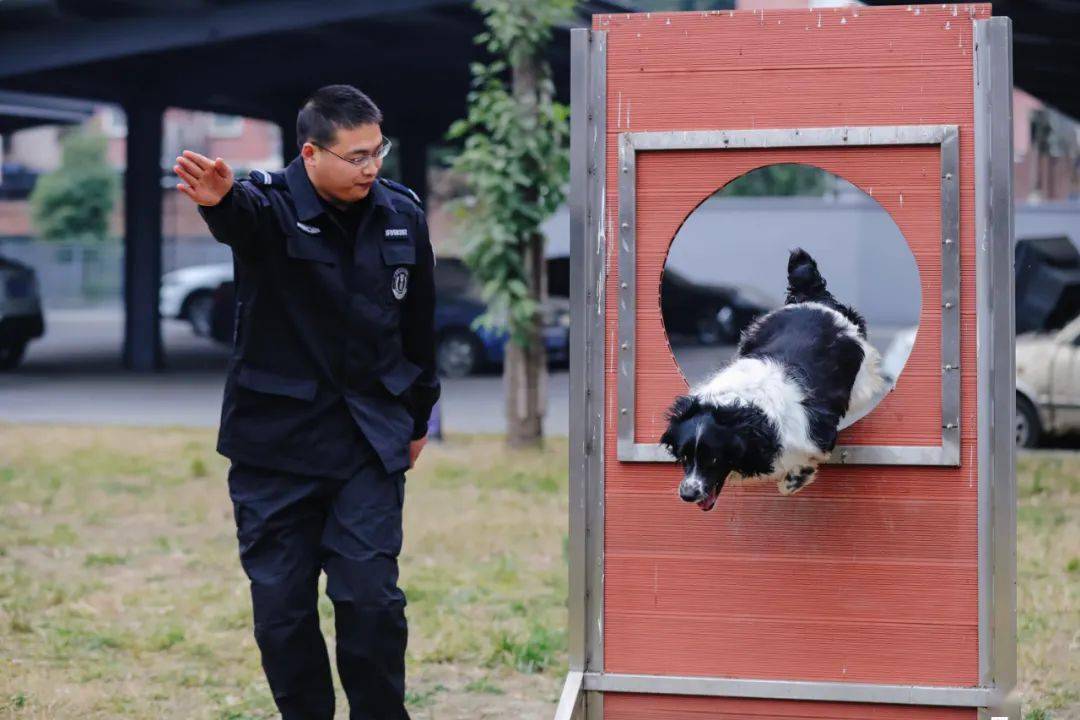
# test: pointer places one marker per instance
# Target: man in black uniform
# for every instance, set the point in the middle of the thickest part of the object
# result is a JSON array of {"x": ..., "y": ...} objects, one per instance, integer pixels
[{"x": 329, "y": 389}]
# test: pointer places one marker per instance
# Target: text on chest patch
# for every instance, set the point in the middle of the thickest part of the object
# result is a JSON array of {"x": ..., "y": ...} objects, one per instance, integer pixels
[{"x": 397, "y": 232}]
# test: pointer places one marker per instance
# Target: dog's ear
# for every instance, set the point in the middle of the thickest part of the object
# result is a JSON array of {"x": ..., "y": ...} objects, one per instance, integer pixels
[
  {"x": 756, "y": 443},
  {"x": 668, "y": 441},
  {"x": 681, "y": 408},
  {"x": 735, "y": 448},
  {"x": 737, "y": 431}
]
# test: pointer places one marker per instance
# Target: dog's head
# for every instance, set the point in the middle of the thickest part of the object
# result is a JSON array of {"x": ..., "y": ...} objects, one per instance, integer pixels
[{"x": 711, "y": 442}]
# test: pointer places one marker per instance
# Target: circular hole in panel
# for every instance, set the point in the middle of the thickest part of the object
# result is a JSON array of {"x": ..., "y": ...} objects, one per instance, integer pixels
[{"x": 728, "y": 265}]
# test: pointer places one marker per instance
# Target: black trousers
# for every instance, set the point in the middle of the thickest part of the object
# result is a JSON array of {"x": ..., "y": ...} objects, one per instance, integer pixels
[{"x": 290, "y": 528}]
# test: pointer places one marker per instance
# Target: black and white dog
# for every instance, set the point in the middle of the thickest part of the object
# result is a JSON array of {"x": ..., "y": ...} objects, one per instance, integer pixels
[{"x": 773, "y": 411}]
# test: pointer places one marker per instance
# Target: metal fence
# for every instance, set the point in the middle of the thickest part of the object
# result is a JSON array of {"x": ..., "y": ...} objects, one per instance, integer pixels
[{"x": 76, "y": 274}]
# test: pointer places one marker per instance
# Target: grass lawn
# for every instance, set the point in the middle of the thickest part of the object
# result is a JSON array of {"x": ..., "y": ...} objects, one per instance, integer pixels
[
  {"x": 121, "y": 594},
  {"x": 1048, "y": 579}
]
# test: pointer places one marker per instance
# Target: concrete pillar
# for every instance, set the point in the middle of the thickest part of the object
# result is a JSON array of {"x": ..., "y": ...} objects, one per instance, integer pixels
[
  {"x": 414, "y": 163},
  {"x": 142, "y": 239},
  {"x": 287, "y": 123}
]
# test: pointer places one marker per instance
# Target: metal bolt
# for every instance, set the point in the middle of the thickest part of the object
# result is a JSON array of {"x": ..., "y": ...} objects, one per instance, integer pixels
[{"x": 947, "y": 305}]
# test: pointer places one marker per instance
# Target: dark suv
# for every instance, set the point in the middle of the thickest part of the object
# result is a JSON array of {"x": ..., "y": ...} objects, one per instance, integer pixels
[{"x": 20, "y": 312}]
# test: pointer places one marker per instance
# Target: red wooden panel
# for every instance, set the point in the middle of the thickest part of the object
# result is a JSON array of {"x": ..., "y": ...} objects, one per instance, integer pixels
[
  {"x": 630, "y": 706},
  {"x": 868, "y": 575},
  {"x": 912, "y": 590},
  {"x": 816, "y": 524}
]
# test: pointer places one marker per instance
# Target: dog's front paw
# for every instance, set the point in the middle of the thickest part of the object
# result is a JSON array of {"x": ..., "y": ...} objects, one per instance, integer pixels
[{"x": 796, "y": 480}]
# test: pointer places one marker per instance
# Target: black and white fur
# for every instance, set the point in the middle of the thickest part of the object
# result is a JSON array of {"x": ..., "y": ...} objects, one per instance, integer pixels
[{"x": 773, "y": 411}]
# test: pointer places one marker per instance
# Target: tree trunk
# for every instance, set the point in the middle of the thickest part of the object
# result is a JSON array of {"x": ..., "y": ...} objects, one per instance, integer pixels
[{"x": 525, "y": 368}]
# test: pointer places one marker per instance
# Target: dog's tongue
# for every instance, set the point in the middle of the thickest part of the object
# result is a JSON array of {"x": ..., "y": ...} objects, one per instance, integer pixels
[{"x": 708, "y": 502}]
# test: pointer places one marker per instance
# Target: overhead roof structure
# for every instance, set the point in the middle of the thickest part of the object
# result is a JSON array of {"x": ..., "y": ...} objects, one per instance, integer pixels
[
  {"x": 261, "y": 58},
  {"x": 257, "y": 58},
  {"x": 21, "y": 110}
]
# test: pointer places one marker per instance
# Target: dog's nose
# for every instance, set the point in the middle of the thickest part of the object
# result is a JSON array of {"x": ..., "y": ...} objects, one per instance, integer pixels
[{"x": 688, "y": 493}]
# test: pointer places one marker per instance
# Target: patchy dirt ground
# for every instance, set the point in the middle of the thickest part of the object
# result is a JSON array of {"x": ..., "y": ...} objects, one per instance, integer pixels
[{"x": 121, "y": 595}]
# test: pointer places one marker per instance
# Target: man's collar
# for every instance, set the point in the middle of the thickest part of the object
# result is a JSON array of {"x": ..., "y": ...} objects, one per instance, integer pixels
[
  {"x": 308, "y": 206},
  {"x": 303, "y": 193},
  {"x": 382, "y": 196}
]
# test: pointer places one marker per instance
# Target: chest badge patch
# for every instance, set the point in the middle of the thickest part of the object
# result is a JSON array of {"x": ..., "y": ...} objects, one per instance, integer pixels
[
  {"x": 400, "y": 284},
  {"x": 309, "y": 229}
]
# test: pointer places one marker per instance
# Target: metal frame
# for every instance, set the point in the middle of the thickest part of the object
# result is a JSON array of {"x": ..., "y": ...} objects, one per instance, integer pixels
[
  {"x": 945, "y": 136},
  {"x": 996, "y": 332},
  {"x": 588, "y": 257},
  {"x": 792, "y": 690},
  {"x": 582, "y": 697}
]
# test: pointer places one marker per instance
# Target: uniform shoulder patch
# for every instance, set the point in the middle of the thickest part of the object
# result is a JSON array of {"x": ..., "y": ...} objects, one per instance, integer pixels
[
  {"x": 267, "y": 179},
  {"x": 401, "y": 190}
]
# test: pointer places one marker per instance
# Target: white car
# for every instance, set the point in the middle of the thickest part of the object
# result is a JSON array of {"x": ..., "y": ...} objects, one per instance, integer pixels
[
  {"x": 188, "y": 294},
  {"x": 1047, "y": 383},
  {"x": 1047, "y": 380}
]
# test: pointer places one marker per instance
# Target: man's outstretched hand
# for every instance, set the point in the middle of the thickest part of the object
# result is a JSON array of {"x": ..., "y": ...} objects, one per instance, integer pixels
[
  {"x": 206, "y": 181},
  {"x": 415, "y": 447}
]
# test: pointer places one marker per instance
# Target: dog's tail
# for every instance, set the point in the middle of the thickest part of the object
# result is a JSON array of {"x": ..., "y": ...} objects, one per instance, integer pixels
[{"x": 805, "y": 283}]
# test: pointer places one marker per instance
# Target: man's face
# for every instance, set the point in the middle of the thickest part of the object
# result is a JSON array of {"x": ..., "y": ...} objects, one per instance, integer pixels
[{"x": 337, "y": 179}]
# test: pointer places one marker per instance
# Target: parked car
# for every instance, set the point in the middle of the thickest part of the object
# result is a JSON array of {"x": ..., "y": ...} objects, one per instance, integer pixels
[
  {"x": 709, "y": 314},
  {"x": 1048, "y": 338},
  {"x": 1047, "y": 271},
  {"x": 187, "y": 294},
  {"x": 1047, "y": 343},
  {"x": 1047, "y": 384},
  {"x": 460, "y": 349},
  {"x": 20, "y": 312},
  {"x": 223, "y": 312},
  {"x": 1047, "y": 380}
]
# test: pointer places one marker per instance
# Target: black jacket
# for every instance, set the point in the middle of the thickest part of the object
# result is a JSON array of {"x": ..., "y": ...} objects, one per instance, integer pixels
[{"x": 334, "y": 334}]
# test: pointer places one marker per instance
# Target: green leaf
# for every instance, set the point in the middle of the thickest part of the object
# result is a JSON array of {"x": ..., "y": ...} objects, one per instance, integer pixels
[{"x": 513, "y": 155}]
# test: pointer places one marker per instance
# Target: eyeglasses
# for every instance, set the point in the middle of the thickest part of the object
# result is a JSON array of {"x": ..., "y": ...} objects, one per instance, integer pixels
[{"x": 364, "y": 160}]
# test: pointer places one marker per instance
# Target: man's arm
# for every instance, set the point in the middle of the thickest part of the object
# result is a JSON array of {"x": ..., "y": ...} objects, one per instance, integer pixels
[
  {"x": 231, "y": 209},
  {"x": 418, "y": 332},
  {"x": 235, "y": 218}
]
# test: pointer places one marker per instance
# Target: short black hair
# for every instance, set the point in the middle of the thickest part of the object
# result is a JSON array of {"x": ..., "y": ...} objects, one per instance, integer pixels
[{"x": 332, "y": 107}]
